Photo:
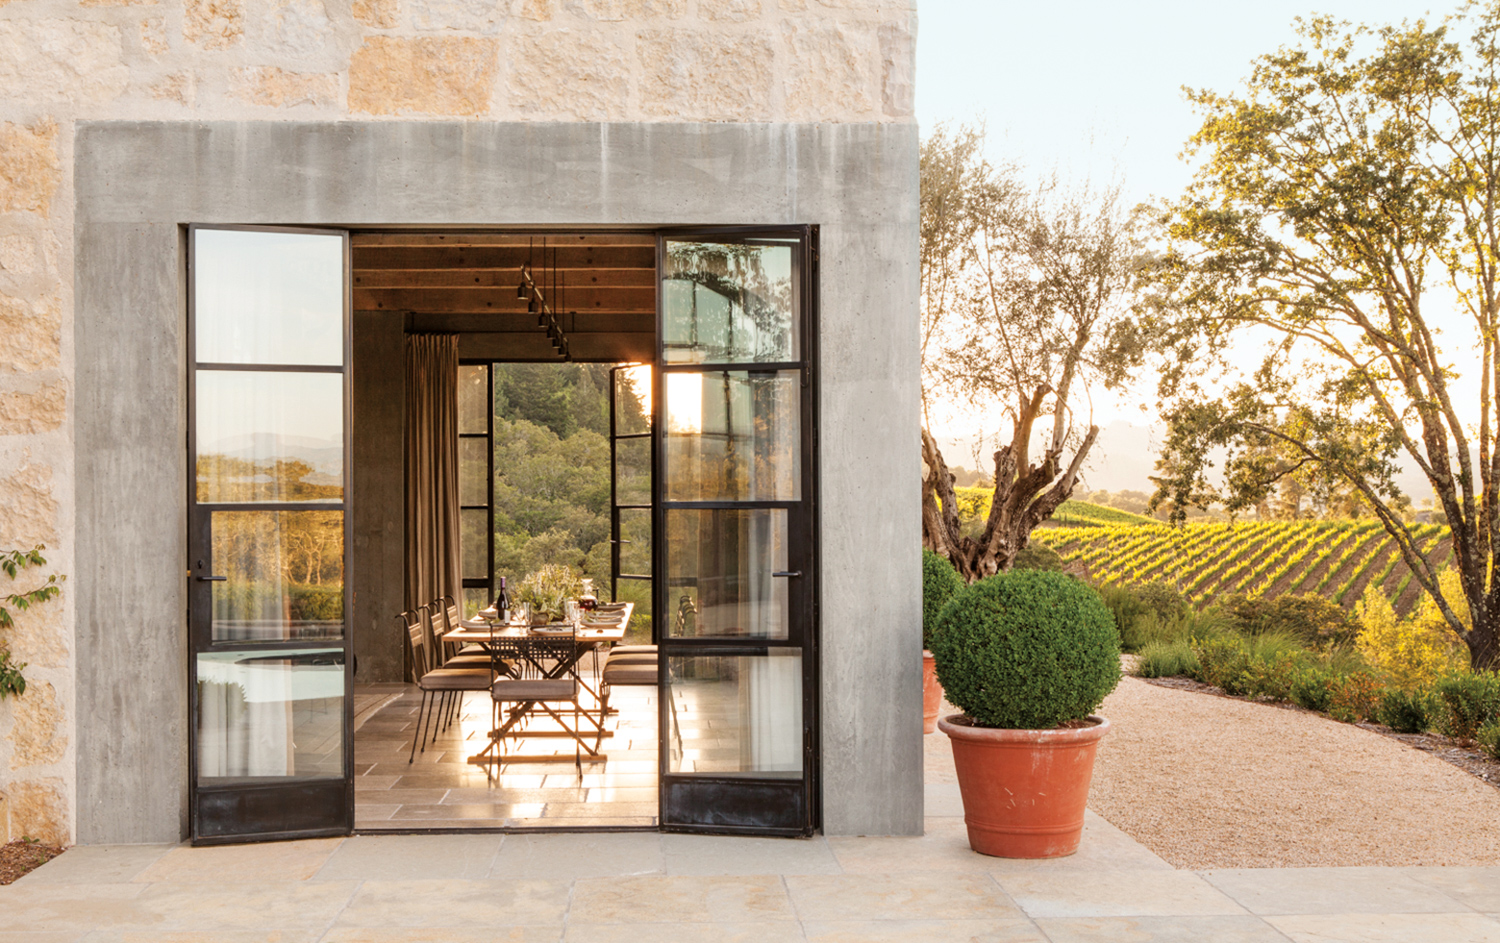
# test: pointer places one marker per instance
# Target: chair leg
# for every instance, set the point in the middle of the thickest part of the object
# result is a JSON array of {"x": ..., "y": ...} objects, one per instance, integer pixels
[{"x": 417, "y": 731}]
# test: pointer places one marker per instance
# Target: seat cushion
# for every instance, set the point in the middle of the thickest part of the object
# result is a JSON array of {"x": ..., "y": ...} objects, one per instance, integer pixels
[
  {"x": 457, "y": 679},
  {"x": 629, "y": 658},
  {"x": 630, "y": 674},
  {"x": 633, "y": 650},
  {"x": 534, "y": 690}
]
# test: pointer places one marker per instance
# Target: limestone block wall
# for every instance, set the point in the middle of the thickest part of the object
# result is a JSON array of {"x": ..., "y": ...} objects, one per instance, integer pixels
[{"x": 62, "y": 61}]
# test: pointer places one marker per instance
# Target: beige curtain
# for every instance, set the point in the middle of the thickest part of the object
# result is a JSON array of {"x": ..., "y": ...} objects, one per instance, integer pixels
[{"x": 432, "y": 518}]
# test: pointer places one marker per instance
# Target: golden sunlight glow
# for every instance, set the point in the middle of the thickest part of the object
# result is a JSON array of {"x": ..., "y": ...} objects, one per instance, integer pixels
[
  {"x": 639, "y": 378},
  {"x": 684, "y": 403}
]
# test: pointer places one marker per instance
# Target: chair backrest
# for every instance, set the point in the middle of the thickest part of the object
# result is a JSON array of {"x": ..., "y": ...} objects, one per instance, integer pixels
[
  {"x": 416, "y": 643},
  {"x": 451, "y": 617},
  {"x": 431, "y": 635}
]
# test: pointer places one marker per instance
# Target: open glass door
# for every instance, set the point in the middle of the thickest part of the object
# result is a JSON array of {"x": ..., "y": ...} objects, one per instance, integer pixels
[
  {"x": 270, "y": 730},
  {"x": 630, "y": 492},
  {"x": 735, "y": 532}
]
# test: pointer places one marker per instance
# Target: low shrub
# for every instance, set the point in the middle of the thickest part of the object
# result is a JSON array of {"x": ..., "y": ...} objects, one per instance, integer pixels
[
  {"x": 1416, "y": 651},
  {"x": 939, "y": 582},
  {"x": 1312, "y": 620},
  {"x": 1489, "y": 739},
  {"x": 1153, "y": 612},
  {"x": 1167, "y": 660},
  {"x": 1224, "y": 662},
  {"x": 1470, "y": 700},
  {"x": 1405, "y": 711},
  {"x": 1026, "y": 649},
  {"x": 1037, "y": 556},
  {"x": 1312, "y": 687},
  {"x": 1353, "y": 697}
]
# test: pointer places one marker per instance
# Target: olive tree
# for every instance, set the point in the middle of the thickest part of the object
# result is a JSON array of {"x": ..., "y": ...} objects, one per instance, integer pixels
[
  {"x": 1345, "y": 221},
  {"x": 1027, "y": 294}
]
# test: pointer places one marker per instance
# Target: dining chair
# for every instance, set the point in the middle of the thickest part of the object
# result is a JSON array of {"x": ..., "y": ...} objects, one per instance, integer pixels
[
  {"x": 444, "y": 619},
  {"x": 523, "y": 694},
  {"x": 446, "y": 686}
]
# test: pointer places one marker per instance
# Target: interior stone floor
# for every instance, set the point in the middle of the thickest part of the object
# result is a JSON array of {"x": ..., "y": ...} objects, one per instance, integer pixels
[{"x": 537, "y": 785}]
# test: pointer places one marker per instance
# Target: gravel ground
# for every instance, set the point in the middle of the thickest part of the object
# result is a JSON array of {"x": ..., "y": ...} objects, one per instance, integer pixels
[{"x": 1211, "y": 782}]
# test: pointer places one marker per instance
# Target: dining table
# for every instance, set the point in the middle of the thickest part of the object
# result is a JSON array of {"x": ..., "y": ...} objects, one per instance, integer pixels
[{"x": 546, "y": 652}]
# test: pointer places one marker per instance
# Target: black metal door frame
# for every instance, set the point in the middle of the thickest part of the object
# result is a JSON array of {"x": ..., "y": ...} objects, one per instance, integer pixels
[
  {"x": 272, "y": 809},
  {"x": 744, "y": 804}
]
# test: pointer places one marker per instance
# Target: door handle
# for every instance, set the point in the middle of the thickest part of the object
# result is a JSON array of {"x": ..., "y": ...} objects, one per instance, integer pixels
[
  {"x": 787, "y": 573},
  {"x": 213, "y": 579}
]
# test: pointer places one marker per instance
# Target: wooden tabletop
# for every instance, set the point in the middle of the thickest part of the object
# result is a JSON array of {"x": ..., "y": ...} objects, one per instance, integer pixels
[{"x": 585, "y": 633}]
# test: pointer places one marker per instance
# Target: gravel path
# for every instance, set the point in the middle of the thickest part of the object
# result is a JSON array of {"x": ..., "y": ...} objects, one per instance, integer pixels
[{"x": 1210, "y": 782}]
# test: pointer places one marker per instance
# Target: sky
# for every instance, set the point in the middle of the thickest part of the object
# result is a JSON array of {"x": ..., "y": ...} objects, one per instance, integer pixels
[{"x": 1093, "y": 88}]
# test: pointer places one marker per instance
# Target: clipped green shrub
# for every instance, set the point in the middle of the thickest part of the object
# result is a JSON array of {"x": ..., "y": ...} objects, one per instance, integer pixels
[
  {"x": 1037, "y": 556},
  {"x": 1469, "y": 702},
  {"x": 939, "y": 582},
  {"x": 1224, "y": 662},
  {"x": 1489, "y": 739},
  {"x": 1312, "y": 620},
  {"x": 1026, "y": 650},
  {"x": 1405, "y": 711},
  {"x": 1312, "y": 686},
  {"x": 1167, "y": 660}
]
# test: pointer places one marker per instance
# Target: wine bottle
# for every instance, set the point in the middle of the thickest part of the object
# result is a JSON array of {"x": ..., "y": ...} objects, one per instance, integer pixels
[{"x": 502, "y": 604}]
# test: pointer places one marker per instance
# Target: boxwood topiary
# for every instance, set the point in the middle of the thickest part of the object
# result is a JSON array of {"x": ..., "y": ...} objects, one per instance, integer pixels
[
  {"x": 1026, "y": 650},
  {"x": 939, "y": 582}
]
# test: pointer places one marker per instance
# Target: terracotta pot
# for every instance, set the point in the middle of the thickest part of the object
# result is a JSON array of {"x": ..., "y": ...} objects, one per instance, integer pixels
[
  {"x": 932, "y": 693},
  {"x": 1024, "y": 791}
]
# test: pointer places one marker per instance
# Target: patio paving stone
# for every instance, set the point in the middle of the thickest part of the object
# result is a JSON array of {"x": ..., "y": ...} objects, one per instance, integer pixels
[
  {"x": 664, "y": 899},
  {"x": 728, "y": 854},
  {"x": 400, "y": 857},
  {"x": 782, "y": 931},
  {"x": 1388, "y": 928},
  {"x": 929, "y": 896},
  {"x": 567, "y": 857},
  {"x": 1116, "y": 894},
  {"x": 1332, "y": 891},
  {"x": 1478, "y": 888},
  {"x": 233, "y": 864},
  {"x": 97, "y": 864},
  {"x": 456, "y": 903},
  {"x": 1244, "y": 928},
  {"x": 923, "y": 931}
]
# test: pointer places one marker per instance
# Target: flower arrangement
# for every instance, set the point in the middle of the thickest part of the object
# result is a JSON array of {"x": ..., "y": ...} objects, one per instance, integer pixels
[{"x": 546, "y": 589}]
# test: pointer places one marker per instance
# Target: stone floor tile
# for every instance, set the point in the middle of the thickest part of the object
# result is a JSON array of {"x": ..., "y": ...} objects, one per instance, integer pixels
[
  {"x": 456, "y": 903},
  {"x": 1388, "y": 928},
  {"x": 40, "y": 936},
  {"x": 1331, "y": 891},
  {"x": 235, "y": 864},
  {"x": 69, "y": 908},
  {"x": 202, "y": 936},
  {"x": 665, "y": 899},
  {"x": 783, "y": 931},
  {"x": 412, "y": 857},
  {"x": 97, "y": 864},
  {"x": 1244, "y": 928},
  {"x": 569, "y": 856},
  {"x": 1116, "y": 894},
  {"x": 289, "y": 905},
  {"x": 942, "y": 799},
  {"x": 728, "y": 854},
  {"x": 540, "y": 934},
  {"x": 1018, "y": 930},
  {"x": 910, "y": 896},
  {"x": 944, "y": 847},
  {"x": 1102, "y": 848},
  {"x": 1478, "y": 888}
]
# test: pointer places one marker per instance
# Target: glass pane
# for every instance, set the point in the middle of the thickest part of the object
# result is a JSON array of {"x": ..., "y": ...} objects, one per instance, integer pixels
[
  {"x": 719, "y": 566},
  {"x": 284, "y": 575},
  {"x": 635, "y": 549},
  {"x": 733, "y": 436},
  {"x": 473, "y": 471},
  {"x": 270, "y": 436},
  {"x": 271, "y": 714},
  {"x": 638, "y": 592},
  {"x": 268, "y": 297},
  {"x": 736, "y": 713},
  {"x": 729, "y": 303},
  {"x": 633, "y": 471},
  {"x": 633, "y": 400},
  {"x": 475, "y": 600},
  {"x": 474, "y": 398},
  {"x": 474, "y": 544}
]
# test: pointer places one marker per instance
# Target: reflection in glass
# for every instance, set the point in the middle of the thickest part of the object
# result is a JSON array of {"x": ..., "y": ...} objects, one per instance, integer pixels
[
  {"x": 474, "y": 398},
  {"x": 475, "y": 600},
  {"x": 635, "y": 537},
  {"x": 473, "y": 471},
  {"x": 633, "y": 471},
  {"x": 270, "y": 436},
  {"x": 733, "y": 436},
  {"x": 284, "y": 575},
  {"x": 736, "y": 713},
  {"x": 270, "y": 714},
  {"x": 729, "y": 303},
  {"x": 719, "y": 566},
  {"x": 268, "y": 297},
  {"x": 474, "y": 545}
]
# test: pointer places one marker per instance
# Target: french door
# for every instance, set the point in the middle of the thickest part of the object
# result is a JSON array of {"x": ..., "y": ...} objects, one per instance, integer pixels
[
  {"x": 735, "y": 531},
  {"x": 270, "y": 729}
]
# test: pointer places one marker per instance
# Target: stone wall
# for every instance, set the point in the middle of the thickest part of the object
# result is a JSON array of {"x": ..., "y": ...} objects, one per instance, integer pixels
[{"x": 62, "y": 61}]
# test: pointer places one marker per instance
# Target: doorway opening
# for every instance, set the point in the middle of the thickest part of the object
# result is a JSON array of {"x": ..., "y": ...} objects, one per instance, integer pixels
[{"x": 636, "y": 408}]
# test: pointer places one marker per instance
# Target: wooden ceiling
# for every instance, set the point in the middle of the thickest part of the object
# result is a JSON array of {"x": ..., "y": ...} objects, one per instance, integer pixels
[{"x": 466, "y": 283}]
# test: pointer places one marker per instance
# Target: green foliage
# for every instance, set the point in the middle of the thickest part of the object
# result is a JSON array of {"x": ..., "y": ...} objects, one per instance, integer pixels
[
  {"x": 1086, "y": 514},
  {"x": 1406, "y": 711},
  {"x": 1312, "y": 620},
  {"x": 1489, "y": 739},
  {"x": 939, "y": 582},
  {"x": 1154, "y": 612},
  {"x": 1354, "y": 697},
  {"x": 1035, "y": 556},
  {"x": 546, "y": 589},
  {"x": 1167, "y": 660},
  {"x": 1470, "y": 700},
  {"x": 1026, "y": 649},
  {"x": 12, "y": 562}
]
